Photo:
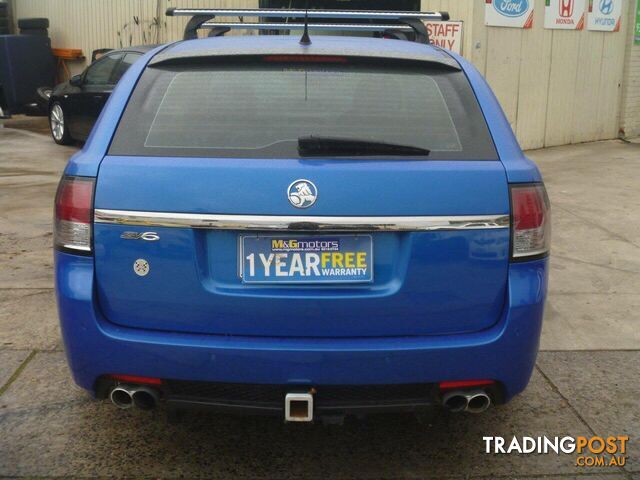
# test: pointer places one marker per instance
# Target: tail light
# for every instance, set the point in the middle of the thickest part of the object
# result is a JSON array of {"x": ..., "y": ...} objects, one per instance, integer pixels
[
  {"x": 73, "y": 214},
  {"x": 531, "y": 221}
]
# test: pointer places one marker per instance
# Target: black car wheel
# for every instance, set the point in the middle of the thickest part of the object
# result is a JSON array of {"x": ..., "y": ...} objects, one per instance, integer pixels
[
  {"x": 43, "y": 94},
  {"x": 59, "y": 130}
]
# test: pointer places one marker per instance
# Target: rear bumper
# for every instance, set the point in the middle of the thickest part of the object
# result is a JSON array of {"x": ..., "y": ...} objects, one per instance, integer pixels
[{"x": 505, "y": 352}]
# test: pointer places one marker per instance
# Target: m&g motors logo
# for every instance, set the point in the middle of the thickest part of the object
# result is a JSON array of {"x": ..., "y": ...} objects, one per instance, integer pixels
[
  {"x": 511, "y": 8},
  {"x": 310, "y": 245}
]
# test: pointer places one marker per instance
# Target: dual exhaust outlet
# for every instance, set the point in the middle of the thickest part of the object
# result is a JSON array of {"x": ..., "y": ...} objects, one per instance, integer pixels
[
  {"x": 475, "y": 401},
  {"x": 127, "y": 396}
]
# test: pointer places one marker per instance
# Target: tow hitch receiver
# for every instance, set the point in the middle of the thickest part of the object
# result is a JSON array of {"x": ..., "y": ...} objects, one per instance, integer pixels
[{"x": 298, "y": 407}]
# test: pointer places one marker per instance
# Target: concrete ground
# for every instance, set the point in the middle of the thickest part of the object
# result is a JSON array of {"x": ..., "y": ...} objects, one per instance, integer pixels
[{"x": 587, "y": 380}]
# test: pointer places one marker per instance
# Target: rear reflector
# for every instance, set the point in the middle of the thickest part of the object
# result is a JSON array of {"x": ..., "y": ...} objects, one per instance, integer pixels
[
  {"x": 137, "y": 379},
  {"x": 464, "y": 384},
  {"x": 531, "y": 221},
  {"x": 73, "y": 214}
]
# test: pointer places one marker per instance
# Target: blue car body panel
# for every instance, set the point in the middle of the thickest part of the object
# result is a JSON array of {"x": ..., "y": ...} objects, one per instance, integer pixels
[
  {"x": 436, "y": 282},
  {"x": 201, "y": 292},
  {"x": 506, "y": 352},
  {"x": 237, "y": 186},
  {"x": 464, "y": 311}
]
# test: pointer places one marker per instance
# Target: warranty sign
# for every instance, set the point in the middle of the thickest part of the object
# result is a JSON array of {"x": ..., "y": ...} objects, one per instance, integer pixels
[{"x": 307, "y": 259}]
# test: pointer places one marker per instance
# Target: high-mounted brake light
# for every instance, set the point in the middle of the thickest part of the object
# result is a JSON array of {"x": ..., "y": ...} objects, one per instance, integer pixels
[
  {"x": 305, "y": 59},
  {"x": 73, "y": 214},
  {"x": 531, "y": 221}
]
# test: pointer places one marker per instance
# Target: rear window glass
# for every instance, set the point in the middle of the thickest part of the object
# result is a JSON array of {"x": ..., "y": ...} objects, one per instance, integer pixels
[{"x": 260, "y": 110}]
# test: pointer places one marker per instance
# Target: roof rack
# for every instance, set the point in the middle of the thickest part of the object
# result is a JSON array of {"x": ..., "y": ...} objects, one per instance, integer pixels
[{"x": 408, "y": 22}]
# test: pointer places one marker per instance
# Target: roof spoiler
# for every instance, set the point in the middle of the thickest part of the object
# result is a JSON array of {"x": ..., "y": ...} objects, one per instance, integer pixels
[{"x": 408, "y": 22}]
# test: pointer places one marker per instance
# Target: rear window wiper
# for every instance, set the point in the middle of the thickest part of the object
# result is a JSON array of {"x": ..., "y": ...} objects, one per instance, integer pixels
[{"x": 319, "y": 146}]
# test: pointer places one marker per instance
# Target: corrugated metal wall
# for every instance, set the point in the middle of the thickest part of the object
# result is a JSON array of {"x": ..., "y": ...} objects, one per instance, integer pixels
[
  {"x": 93, "y": 24},
  {"x": 90, "y": 24},
  {"x": 555, "y": 86}
]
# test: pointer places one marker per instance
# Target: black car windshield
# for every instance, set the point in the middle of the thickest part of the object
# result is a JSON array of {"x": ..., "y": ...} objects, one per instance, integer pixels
[{"x": 261, "y": 110}]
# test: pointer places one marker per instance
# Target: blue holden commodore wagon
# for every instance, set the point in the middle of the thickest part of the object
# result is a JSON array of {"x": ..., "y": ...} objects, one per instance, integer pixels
[{"x": 302, "y": 226}]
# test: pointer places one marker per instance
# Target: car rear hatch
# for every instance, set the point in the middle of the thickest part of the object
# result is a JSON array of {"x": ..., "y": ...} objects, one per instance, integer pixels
[{"x": 205, "y": 170}]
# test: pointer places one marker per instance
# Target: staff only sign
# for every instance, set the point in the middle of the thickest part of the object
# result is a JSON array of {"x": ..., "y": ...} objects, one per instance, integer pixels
[
  {"x": 446, "y": 35},
  {"x": 565, "y": 14},
  {"x": 508, "y": 13},
  {"x": 604, "y": 15}
]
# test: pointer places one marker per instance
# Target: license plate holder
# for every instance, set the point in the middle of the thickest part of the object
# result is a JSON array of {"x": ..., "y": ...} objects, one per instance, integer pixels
[{"x": 306, "y": 259}]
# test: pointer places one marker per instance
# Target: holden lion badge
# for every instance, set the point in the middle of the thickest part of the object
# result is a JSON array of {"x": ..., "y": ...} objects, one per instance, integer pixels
[{"x": 302, "y": 193}]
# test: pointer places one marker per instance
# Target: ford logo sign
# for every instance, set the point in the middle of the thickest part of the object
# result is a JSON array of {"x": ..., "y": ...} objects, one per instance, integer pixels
[{"x": 511, "y": 8}]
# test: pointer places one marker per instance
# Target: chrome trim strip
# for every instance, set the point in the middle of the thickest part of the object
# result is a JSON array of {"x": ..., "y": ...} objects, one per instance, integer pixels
[
  {"x": 72, "y": 246},
  {"x": 301, "y": 222}
]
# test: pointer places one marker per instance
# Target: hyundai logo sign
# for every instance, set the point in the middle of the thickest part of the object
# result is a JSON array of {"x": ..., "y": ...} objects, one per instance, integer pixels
[
  {"x": 606, "y": 7},
  {"x": 511, "y": 8}
]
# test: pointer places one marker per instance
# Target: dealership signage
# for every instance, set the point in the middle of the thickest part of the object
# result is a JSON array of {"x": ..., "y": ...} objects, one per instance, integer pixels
[
  {"x": 509, "y": 13},
  {"x": 446, "y": 35},
  {"x": 565, "y": 14},
  {"x": 604, "y": 15}
]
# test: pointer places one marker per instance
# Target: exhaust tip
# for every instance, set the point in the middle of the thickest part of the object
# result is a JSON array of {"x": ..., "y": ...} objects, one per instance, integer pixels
[
  {"x": 478, "y": 402},
  {"x": 145, "y": 398},
  {"x": 121, "y": 398},
  {"x": 455, "y": 401}
]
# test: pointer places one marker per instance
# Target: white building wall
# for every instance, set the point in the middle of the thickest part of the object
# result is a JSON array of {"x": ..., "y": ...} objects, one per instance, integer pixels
[
  {"x": 630, "y": 114},
  {"x": 555, "y": 86}
]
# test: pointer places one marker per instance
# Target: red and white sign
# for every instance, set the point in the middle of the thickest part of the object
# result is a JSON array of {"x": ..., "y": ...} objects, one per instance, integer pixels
[
  {"x": 446, "y": 35},
  {"x": 565, "y": 14}
]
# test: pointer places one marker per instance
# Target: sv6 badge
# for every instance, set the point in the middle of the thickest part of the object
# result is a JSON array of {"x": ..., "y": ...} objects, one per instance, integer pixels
[{"x": 148, "y": 236}]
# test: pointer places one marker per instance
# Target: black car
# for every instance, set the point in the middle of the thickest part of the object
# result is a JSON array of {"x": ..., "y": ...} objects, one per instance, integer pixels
[{"x": 74, "y": 106}]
